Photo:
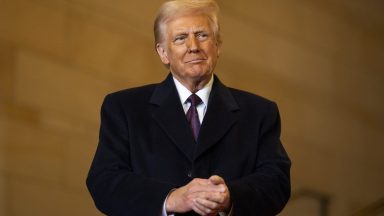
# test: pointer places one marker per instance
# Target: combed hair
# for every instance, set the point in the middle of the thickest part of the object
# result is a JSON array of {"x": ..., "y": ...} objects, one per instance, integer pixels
[{"x": 176, "y": 8}]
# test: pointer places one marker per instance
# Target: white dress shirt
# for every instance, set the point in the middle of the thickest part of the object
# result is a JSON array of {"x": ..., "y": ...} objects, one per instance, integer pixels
[{"x": 203, "y": 93}]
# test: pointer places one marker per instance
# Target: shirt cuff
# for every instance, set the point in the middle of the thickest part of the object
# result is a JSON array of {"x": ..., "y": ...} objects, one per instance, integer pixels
[
  {"x": 227, "y": 214},
  {"x": 164, "y": 211}
]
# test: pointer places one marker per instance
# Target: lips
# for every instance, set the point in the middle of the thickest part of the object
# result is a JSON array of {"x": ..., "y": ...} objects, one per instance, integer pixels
[{"x": 195, "y": 61}]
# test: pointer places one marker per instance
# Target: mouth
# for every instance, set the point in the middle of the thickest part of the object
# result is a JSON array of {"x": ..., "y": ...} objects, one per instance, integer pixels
[{"x": 195, "y": 61}]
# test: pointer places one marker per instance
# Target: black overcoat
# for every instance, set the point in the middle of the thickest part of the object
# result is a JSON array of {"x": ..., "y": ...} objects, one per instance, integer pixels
[{"x": 146, "y": 148}]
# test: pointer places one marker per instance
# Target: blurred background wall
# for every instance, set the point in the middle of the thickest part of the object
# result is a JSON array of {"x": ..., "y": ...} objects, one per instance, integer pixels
[{"x": 321, "y": 61}]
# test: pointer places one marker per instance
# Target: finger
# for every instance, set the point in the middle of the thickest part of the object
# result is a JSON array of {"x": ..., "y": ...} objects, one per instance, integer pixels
[
  {"x": 215, "y": 179},
  {"x": 203, "y": 208},
  {"x": 208, "y": 204},
  {"x": 206, "y": 188},
  {"x": 222, "y": 199},
  {"x": 199, "y": 181},
  {"x": 198, "y": 209},
  {"x": 216, "y": 197}
]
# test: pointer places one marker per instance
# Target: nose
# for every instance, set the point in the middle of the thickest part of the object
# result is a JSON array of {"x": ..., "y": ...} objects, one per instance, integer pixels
[{"x": 193, "y": 44}]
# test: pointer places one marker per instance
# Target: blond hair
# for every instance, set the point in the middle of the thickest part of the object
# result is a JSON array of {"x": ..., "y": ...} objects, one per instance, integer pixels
[{"x": 171, "y": 9}]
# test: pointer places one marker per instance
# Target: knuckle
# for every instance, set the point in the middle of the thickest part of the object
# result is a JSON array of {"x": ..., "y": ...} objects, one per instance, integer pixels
[
  {"x": 189, "y": 197},
  {"x": 189, "y": 190},
  {"x": 213, "y": 205}
]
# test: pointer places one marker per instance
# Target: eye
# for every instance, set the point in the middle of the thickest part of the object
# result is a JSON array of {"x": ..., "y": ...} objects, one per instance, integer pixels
[
  {"x": 202, "y": 36},
  {"x": 179, "y": 39}
]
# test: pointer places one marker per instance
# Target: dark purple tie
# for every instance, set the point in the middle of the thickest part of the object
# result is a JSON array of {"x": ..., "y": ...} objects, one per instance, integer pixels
[{"x": 193, "y": 116}]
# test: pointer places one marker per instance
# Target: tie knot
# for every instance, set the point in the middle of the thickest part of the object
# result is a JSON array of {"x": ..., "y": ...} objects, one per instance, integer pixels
[{"x": 194, "y": 100}]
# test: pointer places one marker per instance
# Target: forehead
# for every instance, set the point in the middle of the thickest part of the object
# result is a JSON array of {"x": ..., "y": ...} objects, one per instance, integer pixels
[{"x": 188, "y": 23}]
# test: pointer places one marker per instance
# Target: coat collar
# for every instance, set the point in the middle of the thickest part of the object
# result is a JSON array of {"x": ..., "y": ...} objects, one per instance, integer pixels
[
  {"x": 219, "y": 118},
  {"x": 169, "y": 114}
]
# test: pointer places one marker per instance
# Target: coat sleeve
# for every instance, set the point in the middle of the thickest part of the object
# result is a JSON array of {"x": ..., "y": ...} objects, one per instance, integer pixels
[
  {"x": 115, "y": 188},
  {"x": 266, "y": 191}
]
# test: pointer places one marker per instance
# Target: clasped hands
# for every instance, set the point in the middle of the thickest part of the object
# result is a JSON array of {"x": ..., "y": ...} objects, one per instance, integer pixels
[{"x": 206, "y": 197}]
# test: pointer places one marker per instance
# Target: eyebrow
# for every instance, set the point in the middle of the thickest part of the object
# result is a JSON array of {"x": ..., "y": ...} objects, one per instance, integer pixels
[{"x": 195, "y": 31}]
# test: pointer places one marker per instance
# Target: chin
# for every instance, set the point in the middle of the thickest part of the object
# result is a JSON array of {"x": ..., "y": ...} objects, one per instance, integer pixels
[
  {"x": 199, "y": 71},
  {"x": 197, "y": 74}
]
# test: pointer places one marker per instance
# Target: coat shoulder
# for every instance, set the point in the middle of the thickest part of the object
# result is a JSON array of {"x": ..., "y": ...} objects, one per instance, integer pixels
[
  {"x": 245, "y": 98},
  {"x": 135, "y": 94}
]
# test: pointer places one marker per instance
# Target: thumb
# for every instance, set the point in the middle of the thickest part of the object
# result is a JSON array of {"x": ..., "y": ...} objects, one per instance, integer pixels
[{"x": 215, "y": 179}]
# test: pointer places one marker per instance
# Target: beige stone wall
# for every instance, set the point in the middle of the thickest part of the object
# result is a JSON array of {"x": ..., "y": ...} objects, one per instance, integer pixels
[{"x": 322, "y": 61}]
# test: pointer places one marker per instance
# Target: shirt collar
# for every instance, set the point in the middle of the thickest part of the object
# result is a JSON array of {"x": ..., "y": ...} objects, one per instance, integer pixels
[{"x": 203, "y": 93}]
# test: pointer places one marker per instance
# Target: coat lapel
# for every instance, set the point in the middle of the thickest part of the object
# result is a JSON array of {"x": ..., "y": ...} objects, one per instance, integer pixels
[
  {"x": 169, "y": 114},
  {"x": 219, "y": 118}
]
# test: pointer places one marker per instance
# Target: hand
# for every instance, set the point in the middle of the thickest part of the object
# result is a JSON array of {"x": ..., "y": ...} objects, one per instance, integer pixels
[
  {"x": 204, "y": 196},
  {"x": 221, "y": 203},
  {"x": 185, "y": 198}
]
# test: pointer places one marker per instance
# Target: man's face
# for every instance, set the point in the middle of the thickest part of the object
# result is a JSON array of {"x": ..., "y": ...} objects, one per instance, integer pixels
[{"x": 190, "y": 48}]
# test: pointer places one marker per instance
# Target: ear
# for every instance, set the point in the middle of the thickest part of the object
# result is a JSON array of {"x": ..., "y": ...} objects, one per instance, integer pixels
[
  {"x": 218, "y": 45},
  {"x": 162, "y": 53}
]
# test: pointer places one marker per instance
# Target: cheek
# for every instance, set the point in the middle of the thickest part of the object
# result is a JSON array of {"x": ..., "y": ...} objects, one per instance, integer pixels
[
  {"x": 177, "y": 55},
  {"x": 212, "y": 51}
]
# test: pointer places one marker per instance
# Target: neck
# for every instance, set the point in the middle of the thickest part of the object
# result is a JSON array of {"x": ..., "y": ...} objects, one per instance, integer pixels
[{"x": 194, "y": 85}]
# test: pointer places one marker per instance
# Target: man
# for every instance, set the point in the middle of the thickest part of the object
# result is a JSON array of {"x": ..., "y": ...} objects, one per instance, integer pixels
[{"x": 189, "y": 145}]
